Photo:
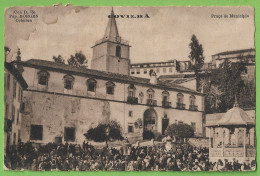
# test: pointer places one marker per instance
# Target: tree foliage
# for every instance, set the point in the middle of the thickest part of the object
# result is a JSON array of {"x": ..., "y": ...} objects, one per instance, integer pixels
[
  {"x": 7, "y": 50},
  {"x": 180, "y": 130},
  {"x": 105, "y": 131},
  {"x": 58, "y": 59},
  {"x": 196, "y": 56},
  {"x": 224, "y": 84},
  {"x": 78, "y": 59}
]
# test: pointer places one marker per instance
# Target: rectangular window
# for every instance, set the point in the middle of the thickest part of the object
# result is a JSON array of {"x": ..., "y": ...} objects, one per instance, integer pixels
[
  {"x": 130, "y": 129},
  {"x": 14, "y": 88},
  {"x": 131, "y": 93},
  {"x": 130, "y": 113},
  {"x": 69, "y": 134},
  {"x": 110, "y": 90},
  {"x": 17, "y": 118},
  {"x": 150, "y": 96},
  {"x": 170, "y": 69},
  {"x": 133, "y": 72},
  {"x": 164, "y": 70},
  {"x": 13, "y": 113},
  {"x": 6, "y": 110},
  {"x": 22, "y": 107},
  {"x": 138, "y": 71},
  {"x": 43, "y": 80},
  {"x": 193, "y": 125},
  {"x": 8, "y": 81},
  {"x": 91, "y": 87},
  {"x": 36, "y": 132},
  {"x": 157, "y": 70},
  {"x": 145, "y": 71},
  {"x": 68, "y": 84}
]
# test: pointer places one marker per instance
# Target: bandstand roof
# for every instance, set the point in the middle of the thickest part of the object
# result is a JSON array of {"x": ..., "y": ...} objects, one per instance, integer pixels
[{"x": 234, "y": 117}]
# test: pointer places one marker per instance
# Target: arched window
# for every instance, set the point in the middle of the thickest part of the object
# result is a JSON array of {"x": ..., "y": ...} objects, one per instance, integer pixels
[
  {"x": 150, "y": 94},
  {"x": 118, "y": 51},
  {"x": 180, "y": 104},
  {"x": 43, "y": 77},
  {"x": 68, "y": 81},
  {"x": 192, "y": 100},
  {"x": 165, "y": 99},
  {"x": 193, "y": 106},
  {"x": 150, "y": 98},
  {"x": 165, "y": 95},
  {"x": 180, "y": 98},
  {"x": 131, "y": 95},
  {"x": 91, "y": 83},
  {"x": 131, "y": 90},
  {"x": 110, "y": 87}
]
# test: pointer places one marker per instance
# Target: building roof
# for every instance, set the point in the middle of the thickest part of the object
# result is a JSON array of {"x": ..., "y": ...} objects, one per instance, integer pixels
[
  {"x": 192, "y": 75},
  {"x": 68, "y": 69},
  {"x": 11, "y": 68},
  {"x": 148, "y": 63},
  {"x": 234, "y": 117},
  {"x": 183, "y": 80},
  {"x": 235, "y": 51}
]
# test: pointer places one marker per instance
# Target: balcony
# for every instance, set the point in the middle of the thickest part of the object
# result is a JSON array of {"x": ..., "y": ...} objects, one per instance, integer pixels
[
  {"x": 193, "y": 108},
  {"x": 166, "y": 104},
  {"x": 151, "y": 102},
  {"x": 132, "y": 100},
  {"x": 180, "y": 106}
]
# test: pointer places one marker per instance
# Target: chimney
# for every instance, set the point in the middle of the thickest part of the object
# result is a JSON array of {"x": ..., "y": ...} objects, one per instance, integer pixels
[{"x": 153, "y": 78}]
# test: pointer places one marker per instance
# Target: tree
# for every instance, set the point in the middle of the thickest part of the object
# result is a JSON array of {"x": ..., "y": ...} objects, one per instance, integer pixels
[
  {"x": 58, "y": 59},
  {"x": 228, "y": 78},
  {"x": 79, "y": 59},
  {"x": 197, "y": 58},
  {"x": 105, "y": 131},
  {"x": 225, "y": 83},
  {"x": 180, "y": 131},
  {"x": 212, "y": 95},
  {"x": 7, "y": 51}
]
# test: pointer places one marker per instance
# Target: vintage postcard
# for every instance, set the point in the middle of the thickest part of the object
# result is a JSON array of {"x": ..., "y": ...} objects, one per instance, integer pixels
[{"x": 129, "y": 88}]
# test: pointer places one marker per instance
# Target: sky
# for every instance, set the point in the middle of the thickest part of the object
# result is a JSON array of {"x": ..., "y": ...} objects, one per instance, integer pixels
[{"x": 164, "y": 36}]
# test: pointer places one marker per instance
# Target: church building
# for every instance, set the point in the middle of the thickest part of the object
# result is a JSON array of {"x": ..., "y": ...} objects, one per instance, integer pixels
[{"x": 62, "y": 102}]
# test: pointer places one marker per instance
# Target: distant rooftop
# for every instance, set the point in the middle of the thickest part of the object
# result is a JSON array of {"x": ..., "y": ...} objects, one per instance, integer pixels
[{"x": 235, "y": 52}]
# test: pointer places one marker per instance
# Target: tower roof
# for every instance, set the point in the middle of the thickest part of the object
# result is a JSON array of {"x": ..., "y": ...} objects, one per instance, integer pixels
[
  {"x": 111, "y": 30},
  {"x": 111, "y": 33}
]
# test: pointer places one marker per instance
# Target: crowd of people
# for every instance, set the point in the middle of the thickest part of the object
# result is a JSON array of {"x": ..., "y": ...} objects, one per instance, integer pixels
[{"x": 85, "y": 157}]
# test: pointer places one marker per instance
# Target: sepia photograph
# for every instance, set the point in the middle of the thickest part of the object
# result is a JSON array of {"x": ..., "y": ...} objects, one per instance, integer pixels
[{"x": 129, "y": 88}]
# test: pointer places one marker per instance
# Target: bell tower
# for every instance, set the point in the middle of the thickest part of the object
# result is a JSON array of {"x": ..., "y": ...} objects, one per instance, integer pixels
[{"x": 111, "y": 53}]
